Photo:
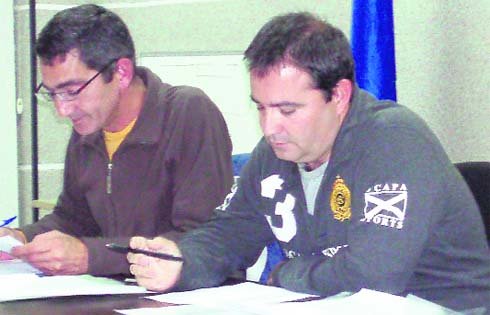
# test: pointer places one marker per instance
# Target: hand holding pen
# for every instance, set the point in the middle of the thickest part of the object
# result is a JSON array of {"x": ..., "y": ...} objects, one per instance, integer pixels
[
  {"x": 126, "y": 249},
  {"x": 5, "y": 230},
  {"x": 10, "y": 237},
  {"x": 156, "y": 274}
]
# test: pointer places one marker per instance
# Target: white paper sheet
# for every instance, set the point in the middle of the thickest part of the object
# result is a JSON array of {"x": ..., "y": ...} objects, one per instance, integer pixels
[
  {"x": 16, "y": 266},
  {"x": 28, "y": 286},
  {"x": 366, "y": 302},
  {"x": 239, "y": 294},
  {"x": 187, "y": 310},
  {"x": 19, "y": 280},
  {"x": 7, "y": 242}
]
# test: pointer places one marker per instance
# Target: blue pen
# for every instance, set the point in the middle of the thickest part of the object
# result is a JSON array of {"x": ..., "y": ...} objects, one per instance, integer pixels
[{"x": 7, "y": 221}]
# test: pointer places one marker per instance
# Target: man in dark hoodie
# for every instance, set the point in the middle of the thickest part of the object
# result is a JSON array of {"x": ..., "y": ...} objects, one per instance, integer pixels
[{"x": 358, "y": 191}]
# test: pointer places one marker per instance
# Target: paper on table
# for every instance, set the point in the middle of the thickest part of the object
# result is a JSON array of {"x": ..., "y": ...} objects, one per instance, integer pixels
[
  {"x": 187, "y": 310},
  {"x": 419, "y": 301},
  {"x": 30, "y": 286},
  {"x": 16, "y": 266},
  {"x": 365, "y": 301},
  {"x": 7, "y": 242},
  {"x": 243, "y": 293}
]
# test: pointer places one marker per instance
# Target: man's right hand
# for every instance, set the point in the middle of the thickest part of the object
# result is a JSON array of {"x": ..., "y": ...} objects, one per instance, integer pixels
[{"x": 154, "y": 273}]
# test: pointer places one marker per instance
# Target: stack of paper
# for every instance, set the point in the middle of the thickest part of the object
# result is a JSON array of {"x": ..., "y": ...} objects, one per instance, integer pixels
[
  {"x": 366, "y": 302},
  {"x": 240, "y": 294},
  {"x": 29, "y": 286},
  {"x": 7, "y": 242},
  {"x": 224, "y": 300},
  {"x": 20, "y": 280},
  {"x": 255, "y": 299},
  {"x": 15, "y": 266}
]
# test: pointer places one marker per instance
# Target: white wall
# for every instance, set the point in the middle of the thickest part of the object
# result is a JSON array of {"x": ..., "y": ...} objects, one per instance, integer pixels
[
  {"x": 442, "y": 49},
  {"x": 8, "y": 148},
  {"x": 224, "y": 78}
]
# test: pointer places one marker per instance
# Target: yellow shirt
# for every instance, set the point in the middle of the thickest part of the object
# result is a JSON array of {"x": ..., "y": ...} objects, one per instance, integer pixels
[{"x": 114, "y": 139}]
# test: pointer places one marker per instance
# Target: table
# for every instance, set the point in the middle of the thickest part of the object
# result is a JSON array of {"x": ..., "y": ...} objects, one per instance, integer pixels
[
  {"x": 78, "y": 305},
  {"x": 86, "y": 304}
]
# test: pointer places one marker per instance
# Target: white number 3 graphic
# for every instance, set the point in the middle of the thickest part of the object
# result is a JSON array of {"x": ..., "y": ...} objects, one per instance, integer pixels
[{"x": 285, "y": 210}]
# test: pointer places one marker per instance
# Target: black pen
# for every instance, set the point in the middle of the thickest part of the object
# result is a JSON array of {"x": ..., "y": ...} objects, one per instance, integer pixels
[{"x": 126, "y": 249}]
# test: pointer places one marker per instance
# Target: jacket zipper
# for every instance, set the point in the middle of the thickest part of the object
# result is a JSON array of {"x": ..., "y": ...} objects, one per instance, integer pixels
[{"x": 109, "y": 179}]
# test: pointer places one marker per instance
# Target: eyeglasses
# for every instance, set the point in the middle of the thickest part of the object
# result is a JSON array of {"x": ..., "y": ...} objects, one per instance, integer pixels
[{"x": 49, "y": 96}]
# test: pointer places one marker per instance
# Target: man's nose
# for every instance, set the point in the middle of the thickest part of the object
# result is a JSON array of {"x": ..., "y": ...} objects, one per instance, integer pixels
[
  {"x": 63, "y": 108},
  {"x": 270, "y": 122}
]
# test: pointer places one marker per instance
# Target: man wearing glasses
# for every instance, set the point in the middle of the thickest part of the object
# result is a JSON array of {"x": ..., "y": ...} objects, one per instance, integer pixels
[{"x": 145, "y": 158}]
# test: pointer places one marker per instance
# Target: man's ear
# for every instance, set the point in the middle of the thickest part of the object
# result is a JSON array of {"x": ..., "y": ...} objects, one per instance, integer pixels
[
  {"x": 341, "y": 96},
  {"x": 124, "y": 72}
]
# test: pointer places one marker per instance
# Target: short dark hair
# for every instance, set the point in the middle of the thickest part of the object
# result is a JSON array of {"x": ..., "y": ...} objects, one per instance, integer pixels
[
  {"x": 98, "y": 34},
  {"x": 307, "y": 42}
]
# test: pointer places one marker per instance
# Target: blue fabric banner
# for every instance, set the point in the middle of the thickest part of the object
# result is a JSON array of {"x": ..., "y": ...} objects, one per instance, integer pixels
[{"x": 373, "y": 47}]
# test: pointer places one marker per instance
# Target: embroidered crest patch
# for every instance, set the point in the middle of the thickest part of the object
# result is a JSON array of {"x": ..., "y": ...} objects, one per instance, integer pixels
[{"x": 340, "y": 200}]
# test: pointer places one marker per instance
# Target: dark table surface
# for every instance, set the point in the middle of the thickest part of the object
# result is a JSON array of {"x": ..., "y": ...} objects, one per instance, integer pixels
[
  {"x": 85, "y": 304},
  {"x": 78, "y": 305}
]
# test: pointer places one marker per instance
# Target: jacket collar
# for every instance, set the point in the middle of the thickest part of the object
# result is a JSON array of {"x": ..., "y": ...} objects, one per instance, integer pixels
[
  {"x": 358, "y": 111},
  {"x": 344, "y": 142},
  {"x": 147, "y": 129}
]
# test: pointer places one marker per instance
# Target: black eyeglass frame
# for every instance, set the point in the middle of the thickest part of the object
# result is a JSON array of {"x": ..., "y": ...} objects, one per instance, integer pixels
[{"x": 66, "y": 96}]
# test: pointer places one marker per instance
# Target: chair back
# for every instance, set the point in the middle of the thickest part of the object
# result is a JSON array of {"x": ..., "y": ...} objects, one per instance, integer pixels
[
  {"x": 238, "y": 161},
  {"x": 477, "y": 176}
]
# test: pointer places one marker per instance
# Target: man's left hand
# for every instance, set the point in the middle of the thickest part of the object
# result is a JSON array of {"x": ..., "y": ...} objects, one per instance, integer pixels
[{"x": 55, "y": 253}]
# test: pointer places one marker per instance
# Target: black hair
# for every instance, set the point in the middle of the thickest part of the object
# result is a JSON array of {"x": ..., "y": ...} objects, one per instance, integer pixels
[
  {"x": 307, "y": 42},
  {"x": 99, "y": 35}
]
